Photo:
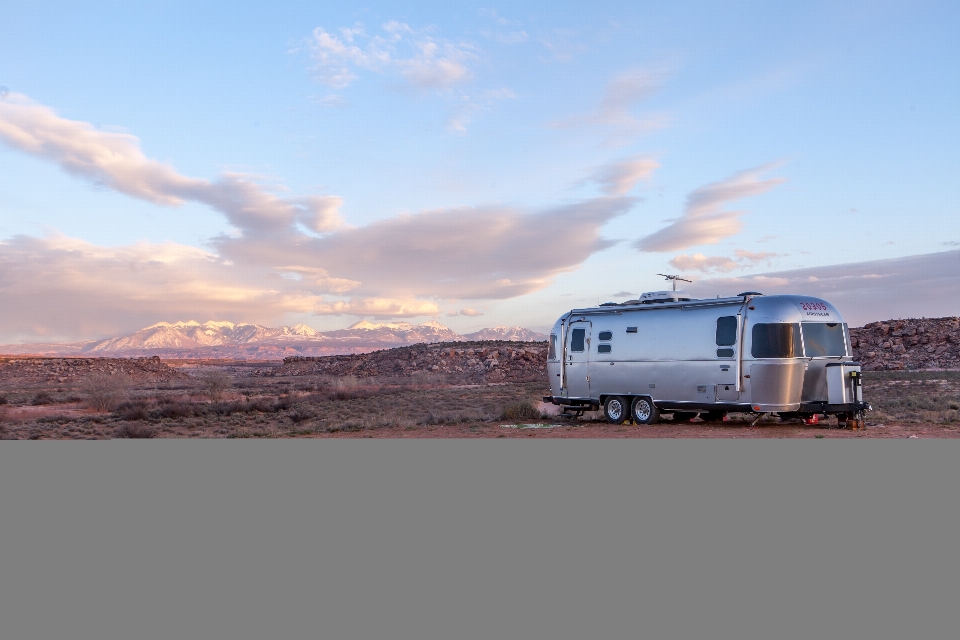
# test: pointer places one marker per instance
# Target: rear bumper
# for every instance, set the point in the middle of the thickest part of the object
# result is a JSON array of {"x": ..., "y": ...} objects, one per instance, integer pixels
[{"x": 824, "y": 407}]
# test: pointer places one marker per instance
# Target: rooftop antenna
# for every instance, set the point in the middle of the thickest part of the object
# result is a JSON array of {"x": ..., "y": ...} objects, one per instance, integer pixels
[{"x": 674, "y": 279}]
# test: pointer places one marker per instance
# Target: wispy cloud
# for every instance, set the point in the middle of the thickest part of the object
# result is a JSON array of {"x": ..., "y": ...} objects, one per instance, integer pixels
[
  {"x": 615, "y": 112},
  {"x": 415, "y": 57},
  {"x": 742, "y": 260},
  {"x": 619, "y": 178},
  {"x": 467, "y": 107},
  {"x": 702, "y": 221},
  {"x": 465, "y": 312},
  {"x": 115, "y": 160},
  {"x": 562, "y": 45}
]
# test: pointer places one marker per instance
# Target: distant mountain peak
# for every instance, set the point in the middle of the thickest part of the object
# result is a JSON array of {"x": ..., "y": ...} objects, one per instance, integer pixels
[{"x": 224, "y": 339}]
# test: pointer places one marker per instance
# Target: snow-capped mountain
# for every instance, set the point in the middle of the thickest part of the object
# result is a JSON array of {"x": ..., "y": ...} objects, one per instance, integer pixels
[
  {"x": 192, "y": 334},
  {"x": 221, "y": 339}
]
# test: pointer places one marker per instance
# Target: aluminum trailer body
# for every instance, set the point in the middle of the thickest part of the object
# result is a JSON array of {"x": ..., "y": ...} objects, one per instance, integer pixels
[{"x": 788, "y": 354}]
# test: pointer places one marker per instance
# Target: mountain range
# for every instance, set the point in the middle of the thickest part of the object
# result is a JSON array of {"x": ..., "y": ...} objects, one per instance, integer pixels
[{"x": 220, "y": 339}]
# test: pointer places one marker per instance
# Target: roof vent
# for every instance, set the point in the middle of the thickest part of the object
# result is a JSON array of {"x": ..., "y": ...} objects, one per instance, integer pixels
[{"x": 654, "y": 297}]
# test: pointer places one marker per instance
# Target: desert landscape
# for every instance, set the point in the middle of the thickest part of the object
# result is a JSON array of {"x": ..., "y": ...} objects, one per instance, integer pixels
[{"x": 444, "y": 389}]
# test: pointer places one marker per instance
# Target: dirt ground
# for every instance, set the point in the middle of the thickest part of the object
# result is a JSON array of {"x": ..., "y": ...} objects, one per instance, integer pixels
[{"x": 210, "y": 399}]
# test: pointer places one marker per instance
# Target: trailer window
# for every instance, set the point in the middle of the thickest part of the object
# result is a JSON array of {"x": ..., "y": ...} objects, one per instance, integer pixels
[
  {"x": 776, "y": 340},
  {"x": 603, "y": 348},
  {"x": 823, "y": 339},
  {"x": 576, "y": 339},
  {"x": 726, "y": 331},
  {"x": 606, "y": 335},
  {"x": 552, "y": 352},
  {"x": 725, "y": 352}
]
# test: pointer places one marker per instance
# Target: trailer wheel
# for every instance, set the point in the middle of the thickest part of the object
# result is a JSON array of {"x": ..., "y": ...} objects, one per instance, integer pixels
[
  {"x": 615, "y": 410},
  {"x": 644, "y": 411}
]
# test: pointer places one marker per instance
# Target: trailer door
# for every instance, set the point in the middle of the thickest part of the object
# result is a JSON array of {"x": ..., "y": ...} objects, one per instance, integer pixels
[
  {"x": 577, "y": 362},
  {"x": 728, "y": 358}
]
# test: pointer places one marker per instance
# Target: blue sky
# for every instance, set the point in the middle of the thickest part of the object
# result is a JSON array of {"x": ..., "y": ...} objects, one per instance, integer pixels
[{"x": 473, "y": 163}]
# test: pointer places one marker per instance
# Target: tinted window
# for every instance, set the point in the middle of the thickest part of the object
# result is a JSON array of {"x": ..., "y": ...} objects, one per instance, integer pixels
[
  {"x": 726, "y": 331},
  {"x": 776, "y": 340},
  {"x": 823, "y": 339},
  {"x": 576, "y": 340},
  {"x": 606, "y": 335},
  {"x": 603, "y": 348},
  {"x": 552, "y": 353},
  {"x": 725, "y": 353}
]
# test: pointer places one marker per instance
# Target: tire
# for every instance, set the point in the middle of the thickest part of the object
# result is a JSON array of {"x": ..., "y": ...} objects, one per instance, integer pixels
[
  {"x": 615, "y": 410},
  {"x": 713, "y": 416},
  {"x": 644, "y": 411},
  {"x": 684, "y": 416}
]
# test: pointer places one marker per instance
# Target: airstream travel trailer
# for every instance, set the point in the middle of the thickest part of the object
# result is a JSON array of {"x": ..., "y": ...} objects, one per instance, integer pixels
[{"x": 665, "y": 352}]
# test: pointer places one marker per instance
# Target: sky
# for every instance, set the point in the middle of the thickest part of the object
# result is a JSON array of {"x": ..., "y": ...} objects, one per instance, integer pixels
[{"x": 476, "y": 164}]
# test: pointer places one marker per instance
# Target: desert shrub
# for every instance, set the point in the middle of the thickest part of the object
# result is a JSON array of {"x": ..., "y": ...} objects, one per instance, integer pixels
[
  {"x": 261, "y": 404},
  {"x": 301, "y": 414},
  {"x": 104, "y": 392},
  {"x": 523, "y": 410},
  {"x": 215, "y": 383},
  {"x": 136, "y": 410},
  {"x": 348, "y": 393},
  {"x": 951, "y": 416},
  {"x": 176, "y": 410},
  {"x": 136, "y": 430},
  {"x": 41, "y": 398},
  {"x": 439, "y": 418},
  {"x": 3, "y": 399}
]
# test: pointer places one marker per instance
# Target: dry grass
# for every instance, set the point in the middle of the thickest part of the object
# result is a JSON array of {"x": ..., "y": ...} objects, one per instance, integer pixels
[
  {"x": 915, "y": 397},
  {"x": 314, "y": 405}
]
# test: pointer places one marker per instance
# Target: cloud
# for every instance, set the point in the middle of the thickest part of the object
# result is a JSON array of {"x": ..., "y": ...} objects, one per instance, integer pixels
[
  {"x": 379, "y": 307},
  {"x": 622, "y": 294},
  {"x": 702, "y": 222},
  {"x": 620, "y": 178},
  {"x": 393, "y": 267},
  {"x": 467, "y": 108},
  {"x": 925, "y": 285},
  {"x": 615, "y": 112},
  {"x": 753, "y": 257},
  {"x": 562, "y": 45},
  {"x": 115, "y": 160},
  {"x": 464, "y": 312},
  {"x": 414, "y": 57},
  {"x": 700, "y": 262},
  {"x": 67, "y": 288},
  {"x": 464, "y": 253}
]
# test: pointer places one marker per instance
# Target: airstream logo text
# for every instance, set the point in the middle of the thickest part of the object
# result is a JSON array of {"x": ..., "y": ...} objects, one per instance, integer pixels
[{"x": 814, "y": 309}]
